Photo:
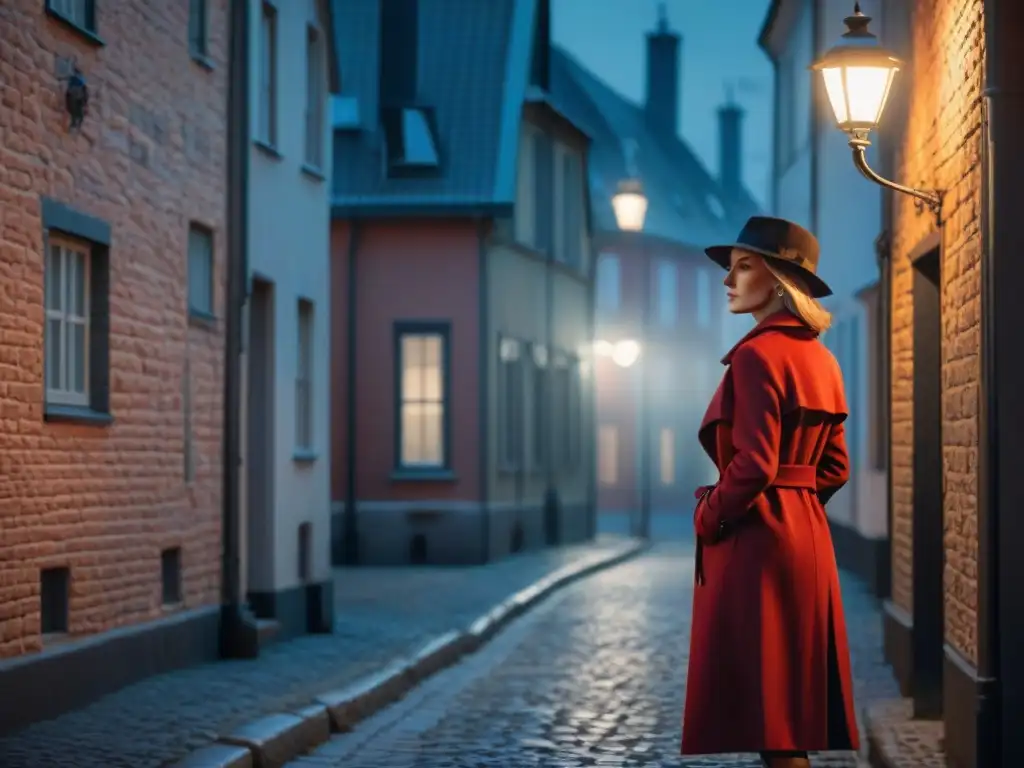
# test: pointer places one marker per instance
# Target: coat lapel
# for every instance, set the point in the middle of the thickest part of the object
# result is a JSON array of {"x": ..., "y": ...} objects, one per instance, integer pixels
[{"x": 717, "y": 443}]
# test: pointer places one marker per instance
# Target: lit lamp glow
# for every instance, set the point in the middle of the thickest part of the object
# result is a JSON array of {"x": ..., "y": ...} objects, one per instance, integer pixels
[
  {"x": 630, "y": 206},
  {"x": 858, "y": 75},
  {"x": 625, "y": 353}
]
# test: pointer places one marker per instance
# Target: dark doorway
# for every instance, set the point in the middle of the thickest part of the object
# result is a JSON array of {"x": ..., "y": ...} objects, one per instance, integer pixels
[
  {"x": 927, "y": 527},
  {"x": 260, "y": 444}
]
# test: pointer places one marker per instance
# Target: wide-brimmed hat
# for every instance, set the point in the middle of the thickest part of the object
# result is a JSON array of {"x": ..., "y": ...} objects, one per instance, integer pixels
[{"x": 788, "y": 244}]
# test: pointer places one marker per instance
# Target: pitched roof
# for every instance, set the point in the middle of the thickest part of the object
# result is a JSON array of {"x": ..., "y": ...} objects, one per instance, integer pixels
[
  {"x": 473, "y": 71},
  {"x": 686, "y": 203}
]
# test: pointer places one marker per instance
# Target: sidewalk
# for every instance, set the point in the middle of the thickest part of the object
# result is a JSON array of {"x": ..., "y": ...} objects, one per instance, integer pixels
[{"x": 381, "y": 613}]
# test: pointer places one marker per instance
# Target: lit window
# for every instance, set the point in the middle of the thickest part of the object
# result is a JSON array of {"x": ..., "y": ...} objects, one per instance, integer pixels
[
  {"x": 67, "y": 323},
  {"x": 422, "y": 397},
  {"x": 608, "y": 455}
]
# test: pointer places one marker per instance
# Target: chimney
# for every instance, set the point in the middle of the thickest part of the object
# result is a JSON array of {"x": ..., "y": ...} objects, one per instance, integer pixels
[
  {"x": 661, "y": 106},
  {"x": 730, "y": 146},
  {"x": 399, "y": 38}
]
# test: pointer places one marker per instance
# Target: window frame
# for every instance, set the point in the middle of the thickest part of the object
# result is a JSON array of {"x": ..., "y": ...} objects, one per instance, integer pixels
[
  {"x": 194, "y": 311},
  {"x": 87, "y": 26},
  {"x": 601, "y": 280},
  {"x": 305, "y": 347},
  {"x": 198, "y": 29},
  {"x": 267, "y": 105},
  {"x": 314, "y": 144},
  {"x": 413, "y": 328},
  {"x": 539, "y": 397},
  {"x": 61, "y": 222},
  {"x": 511, "y": 403},
  {"x": 64, "y": 396}
]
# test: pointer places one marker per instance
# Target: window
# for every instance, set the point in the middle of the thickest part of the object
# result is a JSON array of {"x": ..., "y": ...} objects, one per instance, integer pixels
[
  {"x": 200, "y": 271},
  {"x": 197, "y": 27},
  {"x": 81, "y": 13},
  {"x": 170, "y": 575},
  {"x": 67, "y": 323},
  {"x": 422, "y": 369},
  {"x": 304, "y": 378},
  {"x": 608, "y": 455},
  {"x": 543, "y": 193},
  {"x": 54, "y": 591},
  {"x": 570, "y": 197},
  {"x": 511, "y": 390},
  {"x": 76, "y": 337},
  {"x": 315, "y": 98},
  {"x": 524, "y": 211},
  {"x": 667, "y": 456},
  {"x": 668, "y": 293},
  {"x": 566, "y": 411},
  {"x": 410, "y": 136},
  {"x": 608, "y": 282},
  {"x": 267, "y": 129},
  {"x": 702, "y": 301},
  {"x": 539, "y": 395}
]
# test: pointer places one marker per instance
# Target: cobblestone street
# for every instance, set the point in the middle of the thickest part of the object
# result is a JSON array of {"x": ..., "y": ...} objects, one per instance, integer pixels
[{"x": 594, "y": 676}]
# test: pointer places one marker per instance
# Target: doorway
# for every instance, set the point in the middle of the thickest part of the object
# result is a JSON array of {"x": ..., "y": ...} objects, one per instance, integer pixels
[
  {"x": 259, "y": 415},
  {"x": 927, "y": 526}
]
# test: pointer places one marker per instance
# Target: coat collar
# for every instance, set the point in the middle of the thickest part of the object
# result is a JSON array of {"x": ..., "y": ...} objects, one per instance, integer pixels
[{"x": 783, "y": 320}]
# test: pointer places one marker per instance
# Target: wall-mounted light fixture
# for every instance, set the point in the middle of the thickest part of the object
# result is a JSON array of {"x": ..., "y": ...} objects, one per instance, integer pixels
[
  {"x": 858, "y": 75},
  {"x": 76, "y": 97}
]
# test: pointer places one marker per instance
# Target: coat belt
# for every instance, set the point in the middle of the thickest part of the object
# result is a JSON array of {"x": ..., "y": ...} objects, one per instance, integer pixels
[{"x": 796, "y": 476}]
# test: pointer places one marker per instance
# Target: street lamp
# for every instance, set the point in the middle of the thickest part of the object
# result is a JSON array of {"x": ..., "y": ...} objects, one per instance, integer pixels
[
  {"x": 630, "y": 206},
  {"x": 858, "y": 75}
]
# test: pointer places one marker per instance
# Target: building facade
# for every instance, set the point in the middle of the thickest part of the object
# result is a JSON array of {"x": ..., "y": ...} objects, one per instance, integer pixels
[
  {"x": 113, "y": 237},
  {"x": 286, "y": 407},
  {"x": 655, "y": 287},
  {"x": 461, "y": 283},
  {"x": 815, "y": 184},
  {"x": 949, "y": 293}
]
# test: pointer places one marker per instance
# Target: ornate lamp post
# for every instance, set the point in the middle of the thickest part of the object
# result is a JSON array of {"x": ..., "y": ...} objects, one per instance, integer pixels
[{"x": 630, "y": 206}]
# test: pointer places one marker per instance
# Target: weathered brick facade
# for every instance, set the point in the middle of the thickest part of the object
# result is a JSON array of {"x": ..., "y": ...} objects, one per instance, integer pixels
[
  {"x": 942, "y": 150},
  {"x": 103, "y": 499}
]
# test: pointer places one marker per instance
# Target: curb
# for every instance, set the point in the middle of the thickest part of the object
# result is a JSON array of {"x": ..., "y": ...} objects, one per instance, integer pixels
[{"x": 273, "y": 740}]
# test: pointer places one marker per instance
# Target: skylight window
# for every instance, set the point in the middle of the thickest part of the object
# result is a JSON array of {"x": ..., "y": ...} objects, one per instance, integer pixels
[
  {"x": 716, "y": 206},
  {"x": 411, "y": 137}
]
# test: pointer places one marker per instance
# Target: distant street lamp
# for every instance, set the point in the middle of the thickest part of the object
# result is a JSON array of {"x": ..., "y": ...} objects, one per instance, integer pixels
[
  {"x": 630, "y": 206},
  {"x": 858, "y": 75}
]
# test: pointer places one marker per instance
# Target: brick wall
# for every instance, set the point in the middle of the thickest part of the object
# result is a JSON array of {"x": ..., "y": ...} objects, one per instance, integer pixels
[
  {"x": 104, "y": 500},
  {"x": 941, "y": 150}
]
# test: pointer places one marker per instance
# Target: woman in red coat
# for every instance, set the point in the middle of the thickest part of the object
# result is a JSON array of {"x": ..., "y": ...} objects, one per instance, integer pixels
[{"x": 769, "y": 667}]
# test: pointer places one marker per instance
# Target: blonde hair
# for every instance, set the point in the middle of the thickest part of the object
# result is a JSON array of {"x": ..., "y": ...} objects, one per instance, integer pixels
[{"x": 798, "y": 301}]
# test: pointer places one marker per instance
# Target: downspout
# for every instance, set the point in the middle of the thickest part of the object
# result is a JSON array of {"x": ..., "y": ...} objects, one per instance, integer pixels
[
  {"x": 999, "y": 121},
  {"x": 351, "y": 526},
  {"x": 239, "y": 637},
  {"x": 483, "y": 390},
  {"x": 817, "y": 35},
  {"x": 592, "y": 378}
]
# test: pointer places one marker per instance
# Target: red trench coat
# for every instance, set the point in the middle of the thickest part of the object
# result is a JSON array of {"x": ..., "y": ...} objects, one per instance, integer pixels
[{"x": 769, "y": 664}]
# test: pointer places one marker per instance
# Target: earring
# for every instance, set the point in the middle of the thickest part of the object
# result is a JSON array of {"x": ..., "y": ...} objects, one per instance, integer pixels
[{"x": 780, "y": 292}]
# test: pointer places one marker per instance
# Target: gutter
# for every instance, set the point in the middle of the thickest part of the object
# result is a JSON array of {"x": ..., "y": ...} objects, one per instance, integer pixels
[
  {"x": 239, "y": 634},
  {"x": 483, "y": 391},
  {"x": 351, "y": 521}
]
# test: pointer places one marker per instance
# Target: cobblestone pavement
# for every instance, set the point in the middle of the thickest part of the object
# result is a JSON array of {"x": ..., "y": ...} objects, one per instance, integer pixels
[
  {"x": 381, "y": 613},
  {"x": 592, "y": 677}
]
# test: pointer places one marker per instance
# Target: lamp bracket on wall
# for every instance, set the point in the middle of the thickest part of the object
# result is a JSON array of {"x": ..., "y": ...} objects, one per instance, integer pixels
[{"x": 932, "y": 199}]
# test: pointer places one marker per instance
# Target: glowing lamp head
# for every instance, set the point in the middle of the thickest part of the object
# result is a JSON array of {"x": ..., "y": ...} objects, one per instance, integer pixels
[{"x": 858, "y": 75}]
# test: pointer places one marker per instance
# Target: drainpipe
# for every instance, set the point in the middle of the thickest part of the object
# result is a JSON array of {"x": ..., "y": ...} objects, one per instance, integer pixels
[
  {"x": 239, "y": 636},
  {"x": 483, "y": 390},
  {"x": 351, "y": 520}
]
